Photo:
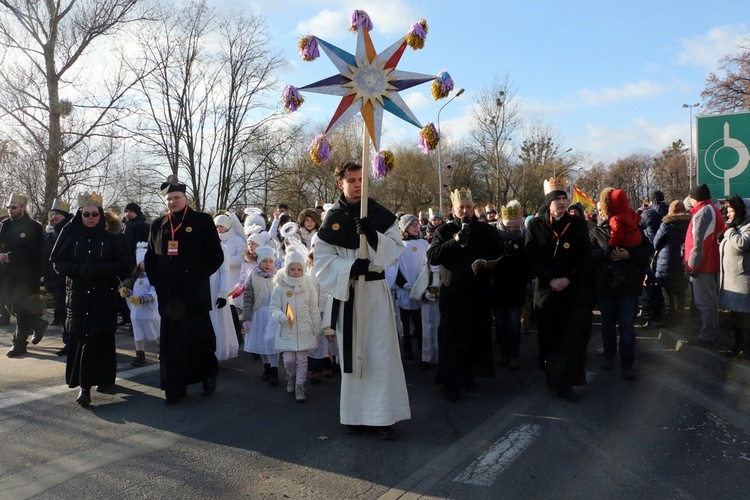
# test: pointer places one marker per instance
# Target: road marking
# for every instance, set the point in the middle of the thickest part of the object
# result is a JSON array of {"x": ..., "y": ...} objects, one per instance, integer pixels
[{"x": 484, "y": 470}]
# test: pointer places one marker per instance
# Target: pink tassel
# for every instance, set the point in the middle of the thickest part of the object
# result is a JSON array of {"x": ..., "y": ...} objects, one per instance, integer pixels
[
  {"x": 291, "y": 99},
  {"x": 360, "y": 18},
  {"x": 320, "y": 149},
  {"x": 308, "y": 48},
  {"x": 442, "y": 85},
  {"x": 382, "y": 164},
  {"x": 416, "y": 35},
  {"x": 428, "y": 138}
]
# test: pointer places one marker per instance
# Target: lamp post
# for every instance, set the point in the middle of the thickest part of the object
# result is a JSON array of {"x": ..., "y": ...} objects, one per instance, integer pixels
[
  {"x": 690, "y": 158},
  {"x": 554, "y": 163},
  {"x": 440, "y": 159}
]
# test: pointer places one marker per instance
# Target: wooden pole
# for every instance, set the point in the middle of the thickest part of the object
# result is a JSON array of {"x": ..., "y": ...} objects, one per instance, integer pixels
[{"x": 363, "y": 253}]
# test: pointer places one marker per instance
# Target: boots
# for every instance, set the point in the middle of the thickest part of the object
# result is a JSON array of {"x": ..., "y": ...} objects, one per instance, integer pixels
[
  {"x": 299, "y": 393},
  {"x": 274, "y": 375},
  {"x": 140, "y": 359},
  {"x": 290, "y": 384},
  {"x": 266, "y": 372},
  {"x": 84, "y": 397}
]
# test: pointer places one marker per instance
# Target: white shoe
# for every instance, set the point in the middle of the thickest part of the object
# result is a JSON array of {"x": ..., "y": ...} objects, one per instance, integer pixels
[
  {"x": 299, "y": 393},
  {"x": 290, "y": 385}
]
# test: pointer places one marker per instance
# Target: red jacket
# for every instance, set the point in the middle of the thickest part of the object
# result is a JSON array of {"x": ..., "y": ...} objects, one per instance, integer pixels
[{"x": 702, "y": 238}]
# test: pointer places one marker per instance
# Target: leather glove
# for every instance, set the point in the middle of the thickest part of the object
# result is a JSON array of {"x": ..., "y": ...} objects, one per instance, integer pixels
[
  {"x": 359, "y": 267},
  {"x": 463, "y": 236},
  {"x": 430, "y": 296},
  {"x": 124, "y": 292},
  {"x": 364, "y": 226},
  {"x": 246, "y": 326},
  {"x": 408, "y": 287},
  {"x": 220, "y": 302}
]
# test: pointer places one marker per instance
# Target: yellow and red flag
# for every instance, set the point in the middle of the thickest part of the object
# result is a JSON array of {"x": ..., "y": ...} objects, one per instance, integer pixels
[{"x": 585, "y": 200}]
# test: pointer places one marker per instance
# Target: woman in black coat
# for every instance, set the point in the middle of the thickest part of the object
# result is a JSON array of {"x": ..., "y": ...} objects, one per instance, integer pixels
[
  {"x": 670, "y": 265},
  {"x": 93, "y": 260}
]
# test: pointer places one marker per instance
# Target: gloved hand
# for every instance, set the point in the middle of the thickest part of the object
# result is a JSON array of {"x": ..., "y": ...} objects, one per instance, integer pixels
[
  {"x": 364, "y": 226},
  {"x": 246, "y": 326},
  {"x": 86, "y": 270},
  {"x": 430, "y": 296},
  {"x": 359, "y": 267},
  {"x": 220, "y": 302},
  {"x": 463, "y": 236},
  {"x": 607, "y": 251},
  {"x": 408, "y": 287},
  {"x": 692, "y": 274},
  {"x": 124, "y": 292}
]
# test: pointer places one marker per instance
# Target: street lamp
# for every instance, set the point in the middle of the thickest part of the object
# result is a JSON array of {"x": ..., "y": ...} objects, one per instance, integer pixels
[
  {"x": 554, "y": 163},
  {"x": 690, "y": 159},
  {"x": 440, "y": 159}
]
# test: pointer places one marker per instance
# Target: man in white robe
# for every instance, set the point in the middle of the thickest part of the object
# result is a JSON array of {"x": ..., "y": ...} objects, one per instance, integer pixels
[{"x": 376, "y": 395}]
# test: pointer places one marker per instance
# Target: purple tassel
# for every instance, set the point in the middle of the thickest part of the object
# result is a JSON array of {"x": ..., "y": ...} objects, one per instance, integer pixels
[
  {"x": 308, "y": 48},
  {"x": 360, "y": 18},
  {"x": 378, "y": 167},
  {"x": 291, "y": 99},
  {"x": 446, "y": 82},
  {"x": 320, "y": 149}
]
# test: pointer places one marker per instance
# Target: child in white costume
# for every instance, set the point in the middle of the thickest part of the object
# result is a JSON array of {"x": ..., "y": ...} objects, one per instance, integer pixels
[
  {"x": 255, "y": 302},
  {"x": 294, "y": 307},
  {"x": 321, "y": 360},
  {"x": 144, "y": 308},
  {"x": 427, "y": 289},
  {"x": 227, "y": 344}
]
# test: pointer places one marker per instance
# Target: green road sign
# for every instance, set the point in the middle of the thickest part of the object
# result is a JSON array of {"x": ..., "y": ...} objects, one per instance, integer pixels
[{"x": 723, "y": 157}]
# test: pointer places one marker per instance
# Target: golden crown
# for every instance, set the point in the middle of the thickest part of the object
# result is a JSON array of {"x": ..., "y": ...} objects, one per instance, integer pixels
[
  {"x": 18, "y": 199},
  {"x": 553, "y": 184},
  {"x": 461, "y": 195},
  {"x": 512, "y": 210},
  {"x": 87, "y": 199}
]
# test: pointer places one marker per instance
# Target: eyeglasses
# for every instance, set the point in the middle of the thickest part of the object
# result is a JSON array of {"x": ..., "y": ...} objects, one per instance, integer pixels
[
  {"x": 12, "y": 207},
  {"x": 90, "y": 214}
]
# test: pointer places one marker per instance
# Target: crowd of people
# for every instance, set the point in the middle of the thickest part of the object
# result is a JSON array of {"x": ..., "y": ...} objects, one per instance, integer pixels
[{"x": 358, "y": 291}]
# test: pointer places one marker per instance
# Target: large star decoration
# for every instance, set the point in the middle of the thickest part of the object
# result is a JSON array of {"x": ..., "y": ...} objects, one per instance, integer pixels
[{"x": 368, "y": 83}]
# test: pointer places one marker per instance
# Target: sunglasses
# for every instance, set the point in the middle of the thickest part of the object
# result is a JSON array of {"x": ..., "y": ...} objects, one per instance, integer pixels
[
  {"x": 12, "y": 207},
  {"x": 90, "y": 214}
]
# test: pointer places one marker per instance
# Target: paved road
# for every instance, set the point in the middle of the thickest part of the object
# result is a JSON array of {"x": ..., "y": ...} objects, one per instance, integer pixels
[{"x": 680, "y": 431}]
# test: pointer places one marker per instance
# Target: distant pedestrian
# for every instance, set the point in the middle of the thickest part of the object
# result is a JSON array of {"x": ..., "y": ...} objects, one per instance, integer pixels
[{"x": 734, "y": 284}]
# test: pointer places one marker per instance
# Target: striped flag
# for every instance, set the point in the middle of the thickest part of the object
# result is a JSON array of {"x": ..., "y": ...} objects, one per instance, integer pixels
[{"x": 584, "y": 199}]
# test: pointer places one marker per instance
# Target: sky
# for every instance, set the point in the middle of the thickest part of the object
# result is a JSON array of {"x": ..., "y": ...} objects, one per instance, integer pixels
[{"x": 610, "y": 77}]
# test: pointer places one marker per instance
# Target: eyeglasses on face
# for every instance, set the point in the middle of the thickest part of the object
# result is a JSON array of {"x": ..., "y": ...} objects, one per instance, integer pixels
[
  {"x": 90, "y": 214},
  {"x": 12, "y": 207}
]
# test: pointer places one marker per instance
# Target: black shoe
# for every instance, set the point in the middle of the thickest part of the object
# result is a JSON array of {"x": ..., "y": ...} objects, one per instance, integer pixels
[
  {"x": 266, "y": 372},
  {"x": 353, "y": 429},
  {"x": 170, "y": 400},
  {"x": 733, "y": 353},
  {"x": 14, "y": 352},
  {"x": 386, "y": 433},
  {"x": 41, "y": 325},
  {"x": 84, "y": 397},
  {"x": 568, "y": 394},
  {"x": 105, "y": 388},
  {"x": 62, "y": 352},
  {"x": 209, "y": 386},
  {"x": 274, "y": 375}
]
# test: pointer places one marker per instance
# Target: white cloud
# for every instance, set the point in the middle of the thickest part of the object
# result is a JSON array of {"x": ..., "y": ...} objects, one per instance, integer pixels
[
  {"x": 389, "y": 18},
  {"x": 607, "y": 144},
  {"x": 605, "y": 95},
  {"x": 706, "y": 50}
]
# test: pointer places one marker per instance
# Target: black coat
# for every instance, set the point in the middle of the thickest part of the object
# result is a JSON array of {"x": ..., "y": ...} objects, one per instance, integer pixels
[
  {"x": 182, "y": 281},
  {"x": 24, "y": 239},
  {"x": 510, "y": 279},
  {"x": 93, "y": 261},
  {"x": 669, "y": 243},
  {"x": 628, "y": 274}
]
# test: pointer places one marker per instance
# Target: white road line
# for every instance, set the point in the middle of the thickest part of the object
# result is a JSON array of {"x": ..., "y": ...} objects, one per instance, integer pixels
[
  {"x": 484, "y": 470},
  {"x": 15, "y": 398}
]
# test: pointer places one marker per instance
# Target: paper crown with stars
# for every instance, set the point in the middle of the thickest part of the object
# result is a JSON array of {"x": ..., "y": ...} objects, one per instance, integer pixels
[
  {"x": 87, "y": 199},
  {"x": 461, "y": 195},
  {"x": 553, "y": 184}
]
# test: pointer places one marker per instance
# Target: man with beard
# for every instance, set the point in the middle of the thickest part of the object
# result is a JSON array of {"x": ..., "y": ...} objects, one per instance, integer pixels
[
  {"x": 21, "y": 250},
  {"x": 183, "y": 252},
  {"x": 465, "y": 334},
  {"x": 376, "y": 395}
]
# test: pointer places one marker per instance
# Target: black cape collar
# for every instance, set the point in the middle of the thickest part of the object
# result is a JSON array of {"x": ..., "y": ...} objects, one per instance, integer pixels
[{"x": 339, "y": 227}]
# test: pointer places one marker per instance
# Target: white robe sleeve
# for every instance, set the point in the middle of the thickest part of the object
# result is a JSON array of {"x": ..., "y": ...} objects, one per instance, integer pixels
[
  {"x": 390, "y": 248},
  {"x": 332, "y": 268}
]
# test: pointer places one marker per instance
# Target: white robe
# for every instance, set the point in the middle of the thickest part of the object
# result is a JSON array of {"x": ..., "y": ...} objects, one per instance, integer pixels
[
  {"x": 227, "y": 345},
  {"x": 379, "y": 397}
]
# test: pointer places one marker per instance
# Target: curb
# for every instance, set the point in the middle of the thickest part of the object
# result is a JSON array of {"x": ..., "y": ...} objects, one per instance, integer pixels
[{"x": 706, "y": 357}]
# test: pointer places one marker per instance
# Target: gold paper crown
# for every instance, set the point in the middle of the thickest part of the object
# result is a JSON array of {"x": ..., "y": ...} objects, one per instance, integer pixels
[
  {"x": 87, "y": 199},
  {"x": 489, "y": 206},
  {"x": 59, "y": 205},
  {"x": 18, "y": 199},
  {"x": 553, "y": 184},
  {"x": 461, "y": 195},
  {"x": 512, "y": 210}
]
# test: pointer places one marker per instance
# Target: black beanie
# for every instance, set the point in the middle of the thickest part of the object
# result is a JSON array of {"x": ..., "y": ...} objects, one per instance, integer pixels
[
  {"x": 133, "y": 207},
  {"x": 657, "y": 196},
  {"x": 700, "y": 193},
  {"x": 552, "y": 195}
]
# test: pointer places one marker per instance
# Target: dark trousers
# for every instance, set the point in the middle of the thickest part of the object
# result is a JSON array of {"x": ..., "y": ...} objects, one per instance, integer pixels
[{"x": 413, "y": 316}]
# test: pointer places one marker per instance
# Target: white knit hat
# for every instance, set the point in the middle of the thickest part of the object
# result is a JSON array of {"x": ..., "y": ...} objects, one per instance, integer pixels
[
  {"x": 140, "y": 251},
  {"x": 223, "y": 220},
  {"x": 264, "y": 253},
  {"x": 261, "y": 239}
]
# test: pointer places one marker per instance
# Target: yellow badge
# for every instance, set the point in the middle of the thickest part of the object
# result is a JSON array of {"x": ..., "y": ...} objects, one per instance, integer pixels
[
  {"x": 140, "y": 282},
  {"x": 413, "y": 249},
  {"x": 289, "y": 293},
  {"x": 188, "y": 229},
  {"x": 566, "y": 245},
  {"x": 515, "y": 245},
  {"x": 22, "y": 235},
  {"x": 335, "y": 226}
]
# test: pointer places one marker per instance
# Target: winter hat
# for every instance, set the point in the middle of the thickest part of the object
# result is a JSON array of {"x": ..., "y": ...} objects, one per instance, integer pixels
[
  {"x": 293, "y": 257},
  {"x": 133, "y": 207},
  {"x": 140, "y": 251},
  {"x": 261, "y": 239},
  {"x": 223, "y": 220},
  {"x": 172, "y": 185},
  {"x": 264, "y": 253},
  {"x": 657, "y": 195},
  {"x": 577, "y": 206},
  {"x": 512, "y": 214},
  {"x": 254, "y": 222},
  {"x": 436, "y": 215},
  {"x": 676, "y": 207},
  {"x": 687, "y": 203},
  {"x": 407, "y": 220},
  {"x": 700, "y": 193}
]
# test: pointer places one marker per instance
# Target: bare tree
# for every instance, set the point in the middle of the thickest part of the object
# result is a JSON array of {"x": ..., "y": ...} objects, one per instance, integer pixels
[
  {"x": 45, "y": 43},
  {"x": 730, "y": 92},
  {"x": 670, "y": 171}
]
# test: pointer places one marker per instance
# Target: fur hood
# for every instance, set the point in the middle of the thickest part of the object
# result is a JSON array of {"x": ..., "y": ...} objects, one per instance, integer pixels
[{"x": 677, "y": 218}]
